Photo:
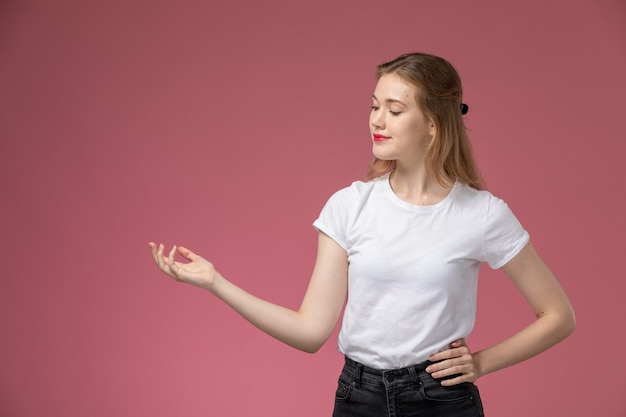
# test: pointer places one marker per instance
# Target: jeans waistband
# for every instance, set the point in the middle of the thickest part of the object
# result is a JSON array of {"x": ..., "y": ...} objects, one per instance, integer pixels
[
  {"x": 419, "y": 367},
  {"x": 411, "y": 372}
]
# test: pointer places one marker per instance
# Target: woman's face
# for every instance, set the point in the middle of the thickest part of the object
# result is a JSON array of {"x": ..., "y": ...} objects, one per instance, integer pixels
[{"x": 400, "y": 130}]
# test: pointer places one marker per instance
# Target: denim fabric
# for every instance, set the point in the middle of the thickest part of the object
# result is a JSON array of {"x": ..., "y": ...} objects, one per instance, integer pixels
[{"x": 406, "y": 392}]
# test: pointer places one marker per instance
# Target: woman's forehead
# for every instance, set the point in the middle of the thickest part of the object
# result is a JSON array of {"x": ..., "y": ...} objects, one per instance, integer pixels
[{"x": 393, "y": 88}]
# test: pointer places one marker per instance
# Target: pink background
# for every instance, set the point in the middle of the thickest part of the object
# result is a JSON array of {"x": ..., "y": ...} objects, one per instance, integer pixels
[{"x": 225, "y": 127}]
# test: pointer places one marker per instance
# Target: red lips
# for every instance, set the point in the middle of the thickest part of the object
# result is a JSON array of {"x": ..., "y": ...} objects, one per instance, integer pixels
[{"x": 379, "y": 138}]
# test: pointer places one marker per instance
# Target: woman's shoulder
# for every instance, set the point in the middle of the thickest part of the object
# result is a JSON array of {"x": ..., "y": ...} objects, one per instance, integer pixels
[
  {"x": 483, "y": 200},
  {"x": 472, "y": 193},
  {"x": 353, "y": 196},
  {"x": 359, "y": 188}
]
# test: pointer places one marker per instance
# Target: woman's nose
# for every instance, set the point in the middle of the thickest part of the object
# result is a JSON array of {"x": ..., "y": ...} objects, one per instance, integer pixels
[{"x": 378, "y": 120}]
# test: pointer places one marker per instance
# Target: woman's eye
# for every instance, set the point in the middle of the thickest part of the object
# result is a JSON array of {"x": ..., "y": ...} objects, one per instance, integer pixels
[
  {"x": 395, "y": 113},
  {"x": 374, "y": 108}
]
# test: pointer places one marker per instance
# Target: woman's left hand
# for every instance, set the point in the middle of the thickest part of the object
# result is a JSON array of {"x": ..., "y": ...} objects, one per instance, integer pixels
[{"x": 457, "y": 360}]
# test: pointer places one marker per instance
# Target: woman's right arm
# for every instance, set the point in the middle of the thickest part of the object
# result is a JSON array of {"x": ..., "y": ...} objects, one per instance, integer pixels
[{"x": 307, "y": 328}]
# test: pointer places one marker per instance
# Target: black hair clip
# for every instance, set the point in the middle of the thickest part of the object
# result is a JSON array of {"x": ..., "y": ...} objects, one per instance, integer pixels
[{"x": 464, "y": 108}]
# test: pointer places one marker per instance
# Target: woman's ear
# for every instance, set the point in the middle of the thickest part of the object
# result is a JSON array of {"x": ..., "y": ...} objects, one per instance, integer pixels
[{"x": 432, "y": 131}]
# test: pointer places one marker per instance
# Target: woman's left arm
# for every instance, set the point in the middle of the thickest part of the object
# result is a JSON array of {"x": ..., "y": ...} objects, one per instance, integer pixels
[{"x": 555, "y": 321}]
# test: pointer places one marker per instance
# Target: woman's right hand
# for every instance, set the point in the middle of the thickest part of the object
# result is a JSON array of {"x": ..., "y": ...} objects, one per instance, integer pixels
[
  {"x": 198, "y": 271},
  {"x": 307, "y": 328}
]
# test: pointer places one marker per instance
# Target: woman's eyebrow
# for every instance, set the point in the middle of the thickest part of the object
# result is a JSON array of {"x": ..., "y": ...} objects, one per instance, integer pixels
[{"x": 391, "y": 101}]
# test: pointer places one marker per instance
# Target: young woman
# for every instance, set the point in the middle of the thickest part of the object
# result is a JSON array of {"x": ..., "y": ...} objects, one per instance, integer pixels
[{"x": 404, "y": 249}]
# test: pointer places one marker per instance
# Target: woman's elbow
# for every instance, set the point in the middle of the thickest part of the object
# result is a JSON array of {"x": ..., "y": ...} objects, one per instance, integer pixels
[
  {"x": 569, "y": 324},
  {"x": 313, "y": 341},
  {"x": 311, "y": 349},
  {"x": 308, "y": 346},
  {"x": 566, "y": 323},
  {"x": 314, "y": 344}
]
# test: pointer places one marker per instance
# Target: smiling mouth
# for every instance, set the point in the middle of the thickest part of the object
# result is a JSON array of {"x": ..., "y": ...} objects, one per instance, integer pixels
[{"x": 380, "y": 138}]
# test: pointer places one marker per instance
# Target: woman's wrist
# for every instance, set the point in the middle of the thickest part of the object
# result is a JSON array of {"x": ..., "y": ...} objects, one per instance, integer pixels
[
  {"x": 214, "y": 283},
  {"x": 481, "y": 368}
]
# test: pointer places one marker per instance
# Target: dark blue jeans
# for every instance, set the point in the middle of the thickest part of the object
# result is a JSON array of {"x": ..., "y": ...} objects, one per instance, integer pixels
[{"x": 406, "y": 392}]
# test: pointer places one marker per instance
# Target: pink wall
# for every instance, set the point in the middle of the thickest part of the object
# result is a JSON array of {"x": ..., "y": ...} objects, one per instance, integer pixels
[{"x": 225, "y": 128}]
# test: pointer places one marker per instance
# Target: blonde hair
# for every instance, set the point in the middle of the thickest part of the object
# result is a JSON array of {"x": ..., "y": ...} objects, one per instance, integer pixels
[{"x": 439, "y": 95}]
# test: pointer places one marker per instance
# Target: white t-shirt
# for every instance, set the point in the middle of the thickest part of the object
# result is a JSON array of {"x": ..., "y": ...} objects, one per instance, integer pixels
[{"x": 413, "y": 270}]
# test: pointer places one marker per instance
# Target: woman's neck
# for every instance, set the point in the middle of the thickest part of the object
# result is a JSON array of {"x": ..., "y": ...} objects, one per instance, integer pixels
[{"x": 417, "y": 186}]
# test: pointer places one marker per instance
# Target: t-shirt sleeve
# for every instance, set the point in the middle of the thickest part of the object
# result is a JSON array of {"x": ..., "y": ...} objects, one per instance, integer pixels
[
  {"x": 504, "y": 235},
  {"x": 333, "y": 219}
]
